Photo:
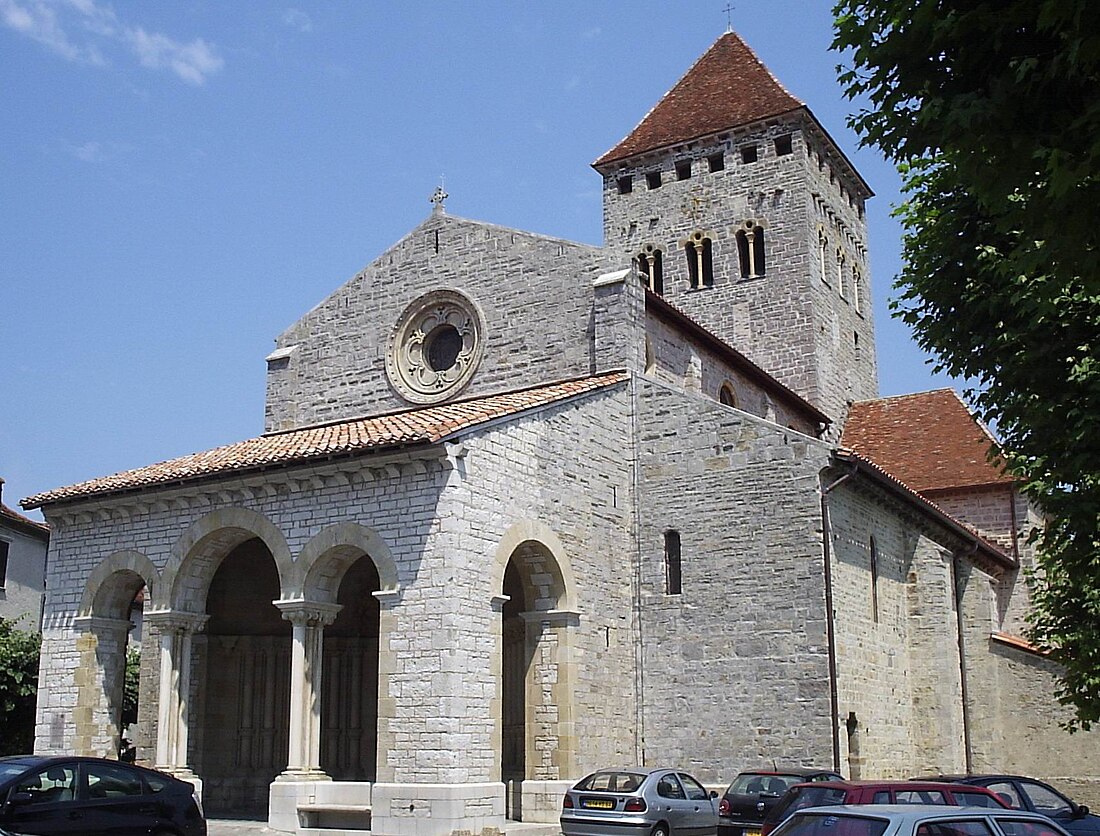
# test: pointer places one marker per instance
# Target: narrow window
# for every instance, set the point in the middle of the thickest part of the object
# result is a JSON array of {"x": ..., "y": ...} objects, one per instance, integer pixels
[
  {"x": 672, "y": 563},
  {"x": 749, "y": 154},
  {"x": 693, "y": 264},
  {"x": 743, "y": 253},
  {"x": 700, "y": 260},
  {"x": 783, "y": 145},
  {"x": 683, "y": 169},
  {"x": 840, "y": 272},
  {"x": 758, "y": 251},
  {"x": 3, "y": 563},
  {"x": 626, "y": 184},
  {"x": 727, "y": 396},
  {"x": 857, "y": 289},
  {"x": 822, "y": 249},
  {"x": 708, "y": 264},
  {"x": 716, "y": 162},
  {"x": 653, "y": 180},
  {"x": 874, "y": 580}
]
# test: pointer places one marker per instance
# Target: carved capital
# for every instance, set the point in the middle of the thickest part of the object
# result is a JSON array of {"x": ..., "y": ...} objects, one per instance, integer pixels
[{"x": 309, "y": 613}]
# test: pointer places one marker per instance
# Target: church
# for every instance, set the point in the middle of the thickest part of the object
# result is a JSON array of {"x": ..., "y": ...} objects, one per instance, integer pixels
[{"x": 525, "y": 507}]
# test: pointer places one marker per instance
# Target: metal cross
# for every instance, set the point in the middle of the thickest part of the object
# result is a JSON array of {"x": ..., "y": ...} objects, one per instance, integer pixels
[{"x": 729, "y": 16}]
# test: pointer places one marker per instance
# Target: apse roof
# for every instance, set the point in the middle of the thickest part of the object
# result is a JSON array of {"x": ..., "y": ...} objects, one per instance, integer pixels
[
  {"x": 928, "y": 440},
  {"x": 726, "y": 88},
  {"x": 426, "y": 425}
]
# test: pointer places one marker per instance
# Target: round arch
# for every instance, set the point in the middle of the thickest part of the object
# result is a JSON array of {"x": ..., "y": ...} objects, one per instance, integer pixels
[
  {"x": 327, "y": 556},
  {"x": 112, "y": 585},
  {"x": 533, "y": 531},
  {"x": 196, "y": 555}
]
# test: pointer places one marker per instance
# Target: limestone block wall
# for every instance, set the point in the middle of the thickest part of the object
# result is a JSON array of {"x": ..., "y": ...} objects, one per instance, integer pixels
[
  {"x": 677, "y": 360},
  {"x": 534, "y": 292},
  {"x": 793, "y": 320},
  {"x": 734, "y": 668},
  {"x": 1015, "y": 720}
]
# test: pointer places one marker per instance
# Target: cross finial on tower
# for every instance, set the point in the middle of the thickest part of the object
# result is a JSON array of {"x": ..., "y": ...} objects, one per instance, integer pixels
[
  {"x": 438, "y": 197},
  {"x": 729, "y": 17}
]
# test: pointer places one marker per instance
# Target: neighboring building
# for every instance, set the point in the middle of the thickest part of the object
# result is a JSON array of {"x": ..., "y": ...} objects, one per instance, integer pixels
[
  {"x": 23, "y": 544},
  {"x": 525, "y": 507}
]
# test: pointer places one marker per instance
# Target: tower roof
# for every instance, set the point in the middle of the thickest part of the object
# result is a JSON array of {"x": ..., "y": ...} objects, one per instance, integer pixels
[{"x": 726, "y": 88}]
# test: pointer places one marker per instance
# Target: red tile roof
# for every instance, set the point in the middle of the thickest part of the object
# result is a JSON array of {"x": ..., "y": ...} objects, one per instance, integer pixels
[
  {"x": 26, "y": 524},
  {"x": 419, "y": 426},
  {"x": 929, "y": 441},
  {"x": 726, "y": 88}
]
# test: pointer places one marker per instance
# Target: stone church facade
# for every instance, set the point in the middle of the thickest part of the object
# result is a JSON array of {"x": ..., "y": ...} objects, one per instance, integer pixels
[{"x": 525, "y": 507}]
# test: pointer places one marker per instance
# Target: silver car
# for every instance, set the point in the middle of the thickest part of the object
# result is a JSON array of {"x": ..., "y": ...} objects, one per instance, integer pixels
[
  {"x": 639, "y": 801},
  {"x": 915, "y": 820}
]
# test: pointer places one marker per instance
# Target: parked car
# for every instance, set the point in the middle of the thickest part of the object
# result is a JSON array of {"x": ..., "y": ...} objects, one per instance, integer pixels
[
  {"x": 915, "y": 820},
  {"x": 827, "y": 793},
  {"x": 752, "y": 794},
  {"x": 639, "y": 802},
  {"x": 1023, "y": 793},
  {"x": 48, "y": 796}
]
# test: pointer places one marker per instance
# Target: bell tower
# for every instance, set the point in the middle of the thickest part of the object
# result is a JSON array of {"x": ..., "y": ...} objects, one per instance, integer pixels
[{"x": 738, "y": 208}]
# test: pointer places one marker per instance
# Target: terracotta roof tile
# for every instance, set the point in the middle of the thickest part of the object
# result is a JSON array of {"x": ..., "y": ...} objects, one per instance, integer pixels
[
  {"x": 928, "y": 440},
  {"x": 32, "y": 526},
  {"x": 727, "y": 87},
  {"x": 420, "y": 426}
]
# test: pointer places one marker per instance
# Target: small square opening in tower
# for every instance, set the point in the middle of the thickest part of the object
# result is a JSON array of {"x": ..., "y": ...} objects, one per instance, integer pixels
[
  {"x": 683, "y": 169},
  {"x": 626, "y": 184},
  {"x": 717, "y": 162},
  {"x": 653, "y": 180},
  {"x": 749, "y": 154},
  {"x": 784, "y": 145}
]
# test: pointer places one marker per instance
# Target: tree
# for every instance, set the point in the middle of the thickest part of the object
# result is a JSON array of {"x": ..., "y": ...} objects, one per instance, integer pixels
[
  {"x": 18, "y": 687},
  {"x": 991, "y": 109}
]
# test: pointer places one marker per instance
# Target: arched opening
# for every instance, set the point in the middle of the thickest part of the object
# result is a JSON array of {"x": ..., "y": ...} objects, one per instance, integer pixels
[
  {"x": 241, "y": 742},
  {"x": 349, "y": 693},
  {"x": 535, "y": 690}
]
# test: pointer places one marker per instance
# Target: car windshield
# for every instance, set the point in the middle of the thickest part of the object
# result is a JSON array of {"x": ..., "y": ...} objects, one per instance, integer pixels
[
  {"x": 815, "y": 824},
  {"x": 758, "y": 783},
  {"x": 11, "y": 768},
  {"x": 611, "y": 781}
]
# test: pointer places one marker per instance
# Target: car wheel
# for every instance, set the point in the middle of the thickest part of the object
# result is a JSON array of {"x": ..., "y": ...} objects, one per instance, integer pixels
[{"x": 661, "y": 829}]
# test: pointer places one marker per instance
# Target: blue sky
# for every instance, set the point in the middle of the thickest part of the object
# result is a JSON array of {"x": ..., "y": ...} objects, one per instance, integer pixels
[{"x": 180, "y": 181}]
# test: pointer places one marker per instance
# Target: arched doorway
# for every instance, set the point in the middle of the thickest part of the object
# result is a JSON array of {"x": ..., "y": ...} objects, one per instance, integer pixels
[
  {"x": 245, "y": 686},
  {"x": 535, "y": 688},
  {"x": 349, "y": 713}
]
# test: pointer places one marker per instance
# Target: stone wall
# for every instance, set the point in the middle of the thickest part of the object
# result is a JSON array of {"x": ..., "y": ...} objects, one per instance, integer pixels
[
  {"x": 734, "y": 668},
  {"x": 22, "y": 586},
  {"x": 794, "y": 320},
  {"x": 534, "y": 292}
]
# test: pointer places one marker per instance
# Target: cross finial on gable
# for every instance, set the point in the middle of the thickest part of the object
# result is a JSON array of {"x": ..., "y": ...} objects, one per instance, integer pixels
[
  {"x": 729, "y": 17},
  {"x": 438, "y": 197}
]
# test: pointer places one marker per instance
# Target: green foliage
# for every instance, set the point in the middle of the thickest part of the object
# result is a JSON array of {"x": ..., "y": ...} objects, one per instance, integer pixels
[
  {"x": 130, "y": 684},
  {"x": 991, "y": 109},
  {"x": 18, "y": 687}
]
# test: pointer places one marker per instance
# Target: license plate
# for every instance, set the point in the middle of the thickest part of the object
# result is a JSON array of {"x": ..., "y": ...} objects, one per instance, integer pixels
[
  {"x": 606, "y": 804},
  {"x": 751, "y": 833}
]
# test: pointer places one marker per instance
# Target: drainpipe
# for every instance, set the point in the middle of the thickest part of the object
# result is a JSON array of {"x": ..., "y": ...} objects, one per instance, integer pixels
[
  {"x": 956, "y": 557},
  {"x": 830, "y": 627}
]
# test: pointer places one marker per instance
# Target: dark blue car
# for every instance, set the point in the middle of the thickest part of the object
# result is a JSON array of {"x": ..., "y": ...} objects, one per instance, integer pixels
[
  {"x": 54, "y": 795},
  {"x": 1030, "y": 794}
]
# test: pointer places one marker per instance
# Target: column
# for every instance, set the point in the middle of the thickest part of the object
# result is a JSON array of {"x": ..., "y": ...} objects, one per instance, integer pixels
[
  {"x": 308, "y": 619},
  {"x": 175, "y": 630}
]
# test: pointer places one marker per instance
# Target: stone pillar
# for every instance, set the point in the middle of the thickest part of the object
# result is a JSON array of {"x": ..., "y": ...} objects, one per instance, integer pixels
[
  {"x": 309, "y": 619},
  {"x": 176, "y": 630},
  {"x": 99, "y": 681}
]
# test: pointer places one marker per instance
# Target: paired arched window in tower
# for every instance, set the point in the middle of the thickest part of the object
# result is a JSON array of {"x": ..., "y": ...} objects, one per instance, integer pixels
[
  {"x": 750, "y": 249},
  {"x": 673, "y": 583},
  {"x": 651, "y": 267},
  {"x": 700, "y": 258}
]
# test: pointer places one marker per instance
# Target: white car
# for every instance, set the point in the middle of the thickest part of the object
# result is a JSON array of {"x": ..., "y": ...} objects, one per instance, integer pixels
[{"x": 915, "y": 820}]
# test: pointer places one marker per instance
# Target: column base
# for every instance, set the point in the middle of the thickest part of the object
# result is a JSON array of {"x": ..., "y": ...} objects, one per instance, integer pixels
[{"x": 300, "y": 775}]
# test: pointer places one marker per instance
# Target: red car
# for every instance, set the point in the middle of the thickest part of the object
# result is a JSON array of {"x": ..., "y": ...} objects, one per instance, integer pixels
[{"x": 826, "y": 793}]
